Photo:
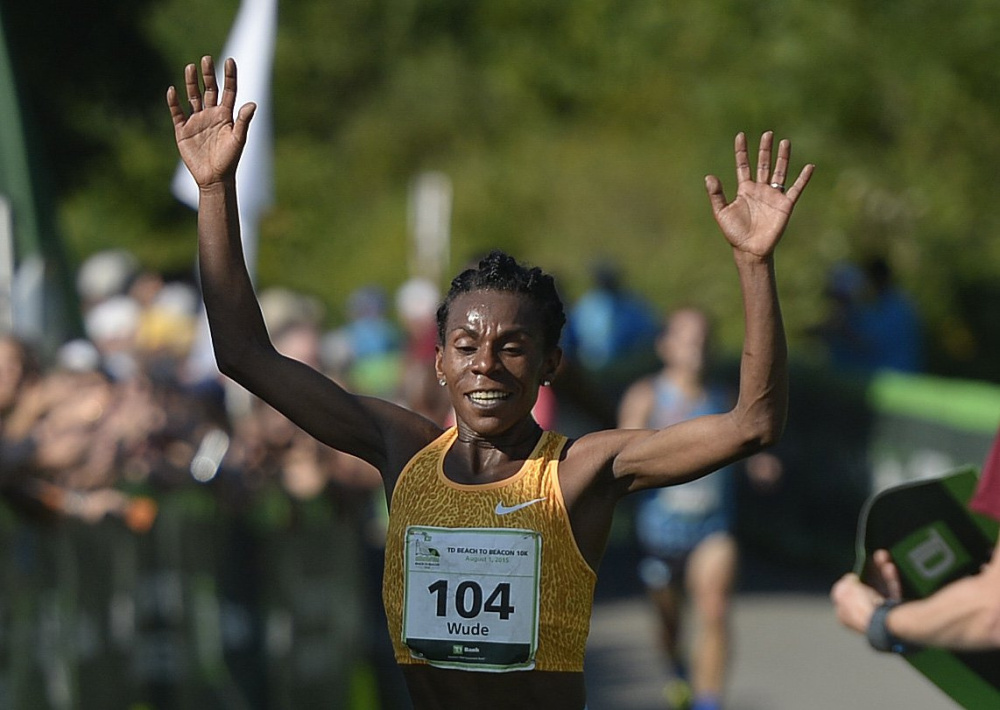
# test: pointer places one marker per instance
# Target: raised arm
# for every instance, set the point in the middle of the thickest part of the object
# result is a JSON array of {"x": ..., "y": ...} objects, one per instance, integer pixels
[
  {"x": 211, "y": 141},
  {"x": 753, "y": 224}
]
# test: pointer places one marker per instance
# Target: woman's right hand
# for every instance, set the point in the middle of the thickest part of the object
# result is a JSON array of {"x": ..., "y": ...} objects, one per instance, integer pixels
[{"x": 210, "y": 141}]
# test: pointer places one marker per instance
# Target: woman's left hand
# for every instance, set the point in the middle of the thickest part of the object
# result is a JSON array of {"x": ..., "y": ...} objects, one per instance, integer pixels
[{"x": 756, "y": 219}]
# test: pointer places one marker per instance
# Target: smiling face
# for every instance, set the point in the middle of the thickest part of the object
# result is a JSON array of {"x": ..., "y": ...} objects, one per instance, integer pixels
[{"x": 493, "y": 360}]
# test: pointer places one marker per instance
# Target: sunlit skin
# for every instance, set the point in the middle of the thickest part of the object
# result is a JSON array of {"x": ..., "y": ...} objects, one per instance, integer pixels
[{"x": 493, "y": 360}]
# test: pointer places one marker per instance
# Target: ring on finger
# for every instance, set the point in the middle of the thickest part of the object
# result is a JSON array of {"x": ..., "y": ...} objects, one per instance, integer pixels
[{"x": 778, "y": 186}]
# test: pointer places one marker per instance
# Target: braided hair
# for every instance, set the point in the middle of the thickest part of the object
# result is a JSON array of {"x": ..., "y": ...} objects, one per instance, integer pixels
[{"x": 498, "y": 271}]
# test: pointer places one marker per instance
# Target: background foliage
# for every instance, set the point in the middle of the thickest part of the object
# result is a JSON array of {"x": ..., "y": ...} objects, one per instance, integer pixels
[{"x": 572, "y": 131}]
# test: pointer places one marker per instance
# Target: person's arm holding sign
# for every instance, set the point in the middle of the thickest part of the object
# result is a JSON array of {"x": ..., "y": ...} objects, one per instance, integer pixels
[{"x": 964, "y": 615}]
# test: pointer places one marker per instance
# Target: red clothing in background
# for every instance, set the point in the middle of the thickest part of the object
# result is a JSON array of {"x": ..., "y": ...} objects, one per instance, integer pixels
[{"x": 986, "y": 499}]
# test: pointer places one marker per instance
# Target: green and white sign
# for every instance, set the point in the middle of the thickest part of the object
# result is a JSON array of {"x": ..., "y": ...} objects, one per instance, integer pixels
[{"x": 929, "y": 556}]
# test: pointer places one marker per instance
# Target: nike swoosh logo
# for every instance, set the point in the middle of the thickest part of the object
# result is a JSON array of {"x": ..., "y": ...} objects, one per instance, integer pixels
[{"x": 502, "y": 509}]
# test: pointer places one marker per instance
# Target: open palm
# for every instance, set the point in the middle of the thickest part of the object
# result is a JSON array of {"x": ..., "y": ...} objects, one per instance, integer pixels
[
  {"x": 755, "y": 220},
  {"x": 210, "y": 141}
]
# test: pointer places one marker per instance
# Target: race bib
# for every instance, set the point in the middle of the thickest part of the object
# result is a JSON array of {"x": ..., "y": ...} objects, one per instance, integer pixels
[{"x": 471, "y": 597}]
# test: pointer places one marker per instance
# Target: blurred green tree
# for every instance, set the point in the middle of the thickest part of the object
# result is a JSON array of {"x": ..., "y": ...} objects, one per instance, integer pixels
[{"x": 571, "y": 131}]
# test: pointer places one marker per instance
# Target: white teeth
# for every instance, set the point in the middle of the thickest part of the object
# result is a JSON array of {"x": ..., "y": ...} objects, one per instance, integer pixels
[{"x": 484, "y": 397}]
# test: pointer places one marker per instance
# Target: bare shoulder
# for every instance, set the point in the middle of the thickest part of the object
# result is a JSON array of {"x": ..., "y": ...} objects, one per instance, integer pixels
[
  {"x": 590, "y": 490},
  {"x": 403, "y": 432}
]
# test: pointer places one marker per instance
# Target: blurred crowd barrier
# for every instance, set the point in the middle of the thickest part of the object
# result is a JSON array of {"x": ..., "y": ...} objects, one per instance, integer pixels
[{"x": 206, "y": 609}]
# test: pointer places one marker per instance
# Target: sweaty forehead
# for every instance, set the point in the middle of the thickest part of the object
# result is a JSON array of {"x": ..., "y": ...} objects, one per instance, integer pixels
[{"x": 494, "y": 311}]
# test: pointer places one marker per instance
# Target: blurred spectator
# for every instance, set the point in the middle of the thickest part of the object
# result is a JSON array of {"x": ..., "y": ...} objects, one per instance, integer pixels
[
  {"x": 284, "y": 307},
  {"x": 19, "y": 371},
  {"x": 607, "y": 322},
  {"x": 685, "y": 531},
  {"x": 871, "y": 323},
  {"x": 417, "y": 302},
  {"x": 110, "y": 410},
  {"x": 166, "y": 329},
  {"x": 111, "y": 326},
  {"x": 890, "y": 322},
  {"x": 369, "y": 327},
  {"x": 838, "y": 332},
  {"x": 374, "y": 342},
  {"x": 607, "y": 344},
  {"x": 69, "y": 431},
  {"x": 104, "y": 275},
  {"x": 66, "y": 414},
  {"x": 19, "y": 368}
]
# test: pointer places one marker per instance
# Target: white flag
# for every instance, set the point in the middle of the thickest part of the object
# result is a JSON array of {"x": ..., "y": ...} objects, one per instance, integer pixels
[{"x": 251, "y": 44}]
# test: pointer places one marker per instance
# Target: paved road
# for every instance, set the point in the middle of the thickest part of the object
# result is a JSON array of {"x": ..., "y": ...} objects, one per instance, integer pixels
[{"x": 790, "y": 654}]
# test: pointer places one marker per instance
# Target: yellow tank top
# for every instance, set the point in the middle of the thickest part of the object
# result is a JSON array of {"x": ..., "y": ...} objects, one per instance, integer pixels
[{"x": 485, "y": 577}]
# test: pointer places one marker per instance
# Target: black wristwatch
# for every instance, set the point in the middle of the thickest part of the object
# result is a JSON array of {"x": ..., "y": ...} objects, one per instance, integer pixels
[{"x": 879, "y": 636}]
